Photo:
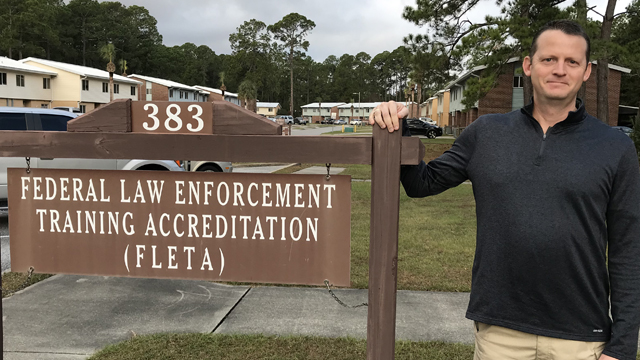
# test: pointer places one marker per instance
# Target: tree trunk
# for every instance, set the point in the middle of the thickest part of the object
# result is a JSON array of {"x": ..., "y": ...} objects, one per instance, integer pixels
[
  {"x": 84, "y": 43},
  {"x": 10, "y": 23},
  {"x": 110, "y": 86},
  {"x": 291, "y": 73},
  {"x": 419, "y": 99},
  {"x": 603, "y": 64}
]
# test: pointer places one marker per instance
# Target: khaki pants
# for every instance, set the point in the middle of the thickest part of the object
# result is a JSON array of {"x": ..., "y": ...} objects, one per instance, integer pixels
[{"x": 498, "y": 343}]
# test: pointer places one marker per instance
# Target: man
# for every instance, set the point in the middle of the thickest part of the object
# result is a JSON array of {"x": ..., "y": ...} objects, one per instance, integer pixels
[{"x": 557, "y": 192}]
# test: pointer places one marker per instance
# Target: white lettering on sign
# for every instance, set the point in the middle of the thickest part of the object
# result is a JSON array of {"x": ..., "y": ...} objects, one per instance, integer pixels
[{"x": 173, "y": 122}]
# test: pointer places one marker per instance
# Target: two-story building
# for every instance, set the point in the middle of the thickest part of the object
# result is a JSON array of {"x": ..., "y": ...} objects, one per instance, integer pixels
[
  {"x": 216, "y": 94},
  {"x": 356, "y": 110},
  {"x": 81, "y": 86},
  {"x": 23, "y": 85},
  {"x": 267, "y": 108},
  {"x": 155, "y": 89},
  {"x": 316, "y": 112}
]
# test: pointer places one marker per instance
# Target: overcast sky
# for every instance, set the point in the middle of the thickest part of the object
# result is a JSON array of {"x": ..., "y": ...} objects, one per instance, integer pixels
[{"x": 342, "y": 26}]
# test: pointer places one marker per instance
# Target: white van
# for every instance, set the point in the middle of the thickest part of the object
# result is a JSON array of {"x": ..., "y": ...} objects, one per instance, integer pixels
[{"x": 24, "y": 119}]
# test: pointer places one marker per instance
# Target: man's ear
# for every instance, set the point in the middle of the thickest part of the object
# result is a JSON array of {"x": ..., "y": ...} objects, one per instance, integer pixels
[
  {"x": 526, "y": 65},
  {"x": 587, "y": 72}
]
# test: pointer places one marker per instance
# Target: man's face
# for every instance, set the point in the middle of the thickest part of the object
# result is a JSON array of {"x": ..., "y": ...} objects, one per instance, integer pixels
[{"x": 558, "y": 67}]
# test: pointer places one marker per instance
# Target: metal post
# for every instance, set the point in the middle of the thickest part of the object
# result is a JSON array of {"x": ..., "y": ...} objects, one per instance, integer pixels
[{"x": 383, "y": 246}]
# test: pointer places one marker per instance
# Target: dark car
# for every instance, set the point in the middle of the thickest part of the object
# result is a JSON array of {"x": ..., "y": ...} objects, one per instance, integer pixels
[
  {"x": 421, "y": 127},
  {"x": 300, "y": 121},
  {"x": 326, "y": 121}
]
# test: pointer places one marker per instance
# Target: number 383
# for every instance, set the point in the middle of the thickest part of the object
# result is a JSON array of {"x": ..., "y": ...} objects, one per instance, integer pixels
[{"x": 173, "y": 121}]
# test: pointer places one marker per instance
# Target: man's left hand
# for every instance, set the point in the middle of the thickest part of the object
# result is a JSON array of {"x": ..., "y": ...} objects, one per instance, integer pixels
[{"x": 606, "y": 357}]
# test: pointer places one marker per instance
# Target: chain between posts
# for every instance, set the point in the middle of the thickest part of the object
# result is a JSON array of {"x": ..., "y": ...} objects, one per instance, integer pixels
[
  {"x": 326, "y": 283},
  {"x": 28, "y": 164},
  {"x": 328, "y": 170},
  {"x": 24, "y": 284}
]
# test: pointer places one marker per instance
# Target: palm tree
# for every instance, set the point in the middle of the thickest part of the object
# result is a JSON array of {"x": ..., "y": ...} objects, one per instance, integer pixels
[
  {"x": 108, "y": 52},
  {"x": 248, "y": 91},
  {"x": 222, "y": 87},
  {"x": 123, "y": 66}
]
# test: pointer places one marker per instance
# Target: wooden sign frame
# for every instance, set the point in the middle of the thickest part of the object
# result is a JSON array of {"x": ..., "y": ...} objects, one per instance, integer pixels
[{"x": 241, "y": 135}]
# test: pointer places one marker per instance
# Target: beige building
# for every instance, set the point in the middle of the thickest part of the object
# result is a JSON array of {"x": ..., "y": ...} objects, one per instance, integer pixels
[
  {"x": 83, "y": 87},
  {"x": 267, "y": 108},
  {"x": 356, "y": 110},
  {"x": 316, "y": 112},
  {"x": 22, "y": 85},
  {"x": 442, "y": 116}
]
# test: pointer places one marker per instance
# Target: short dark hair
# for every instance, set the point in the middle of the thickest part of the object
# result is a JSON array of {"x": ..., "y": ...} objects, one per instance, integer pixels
[{"x": 566, "y": 26}]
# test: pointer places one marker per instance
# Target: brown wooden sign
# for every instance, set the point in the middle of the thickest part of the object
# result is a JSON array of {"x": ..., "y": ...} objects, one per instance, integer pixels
[
  {"x": 214, "y": 226},
  {"x": 163, "y": 117}
]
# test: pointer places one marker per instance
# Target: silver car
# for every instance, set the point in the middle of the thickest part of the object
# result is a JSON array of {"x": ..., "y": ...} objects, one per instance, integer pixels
[{"x": 15, "y": 118}]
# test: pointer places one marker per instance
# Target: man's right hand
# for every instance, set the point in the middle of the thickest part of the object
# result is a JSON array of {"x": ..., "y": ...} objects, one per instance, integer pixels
[{"x": 387, "y": 115}]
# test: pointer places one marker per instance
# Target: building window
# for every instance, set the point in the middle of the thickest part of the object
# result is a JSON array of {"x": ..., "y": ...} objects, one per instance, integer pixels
[
  {"x": 148, "y": 91},
  {"x": 85, "y": 85},
  {"x": 517, "y": 81},
  {"x": 105, "y": 87},
  {"x": 116, "y": 88},
  {"x": 46, "y": 83},
  {"x": 181, "y": 94},
  {"x": 3, "y": 78},
  {"x": 83, "y": 108},
  {"x": 170, "y": 93},
  {"x": 44, "y": 106},
  {"x": 20, "y": 80},
  {"x": 314, "y": 110},
  {"x": 133, "y": 90},
  {"x": 270, "y": 109}
]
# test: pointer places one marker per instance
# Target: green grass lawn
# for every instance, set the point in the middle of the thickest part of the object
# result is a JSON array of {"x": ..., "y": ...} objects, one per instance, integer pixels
[
  {"x": 436, "y": 241},
  {"x": 242, "y": 347}
]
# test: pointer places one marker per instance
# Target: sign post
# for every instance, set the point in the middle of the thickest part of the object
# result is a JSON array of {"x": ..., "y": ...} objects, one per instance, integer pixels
[{"x": 222, "y": 131}]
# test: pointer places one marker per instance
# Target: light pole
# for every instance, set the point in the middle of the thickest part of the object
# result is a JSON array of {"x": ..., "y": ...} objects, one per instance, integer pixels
[{"x": 359, "y": 107}]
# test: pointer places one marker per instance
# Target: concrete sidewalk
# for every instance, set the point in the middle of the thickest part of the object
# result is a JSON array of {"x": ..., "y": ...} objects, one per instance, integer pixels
[{"x": 71, "y": 317}]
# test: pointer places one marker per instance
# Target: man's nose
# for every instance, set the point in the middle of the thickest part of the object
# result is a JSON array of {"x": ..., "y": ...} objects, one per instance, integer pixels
[{"x": 560, "y": 68}]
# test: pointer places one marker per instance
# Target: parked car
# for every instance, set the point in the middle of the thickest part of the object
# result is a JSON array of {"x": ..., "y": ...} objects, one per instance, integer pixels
[
  {"x": 208, "y": 166},
  {"x": 300, "y": 121},
  {"x": 625, "y": 129},
  {"x": 428, "y": 120},
  {"x": 326, "y": 121},
  {"x": 288, "y": 119},
  {"x": 25, "y": 119},
  {"x": 355, "y": 122},
  {"x": 340, "y": 122},
  {"x": 420, "y": 127}
]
